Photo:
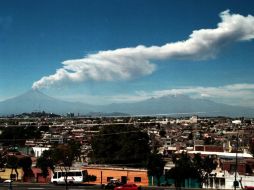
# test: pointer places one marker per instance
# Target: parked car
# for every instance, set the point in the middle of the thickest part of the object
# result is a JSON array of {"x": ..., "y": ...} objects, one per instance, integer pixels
[
  {"x": 249, "y": 187},
  {"x": 128, "y": 186},
  {"x": 112, "y": 184},
  {"x": 7, "y": 181}
]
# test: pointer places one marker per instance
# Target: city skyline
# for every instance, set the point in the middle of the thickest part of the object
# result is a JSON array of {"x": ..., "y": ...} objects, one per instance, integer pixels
[{"x": 123, "y": 51}]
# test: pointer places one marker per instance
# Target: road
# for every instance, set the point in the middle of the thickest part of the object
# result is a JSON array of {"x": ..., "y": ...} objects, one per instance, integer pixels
[{"x": 35, "y": 186}]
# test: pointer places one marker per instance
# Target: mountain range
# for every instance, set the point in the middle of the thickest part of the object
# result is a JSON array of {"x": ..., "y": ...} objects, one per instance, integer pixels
[{"x": 177, "y": 105}]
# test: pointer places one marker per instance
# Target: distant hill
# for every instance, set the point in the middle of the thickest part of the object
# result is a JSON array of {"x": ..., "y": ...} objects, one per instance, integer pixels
[
  {"x": 178, "y": 105},
  {"x": 34, "y": 100}
]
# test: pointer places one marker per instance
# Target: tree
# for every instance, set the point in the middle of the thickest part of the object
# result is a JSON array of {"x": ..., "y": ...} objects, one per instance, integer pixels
[
  {"x": 121, "y": 144},
  {"x": 26, "y": 163},
  {"x": 155, "y": 143},
  {"x": 251, "y": 146},
  {"x": 19, "y": 134},
  {"x": 45, "y": 162},
  {"x": 12, "y": 162},
  {"x": 75, "y": 147},
  {"x": 63, "y": 156},
  {"x": 187, "y": 167},
  {"x": 43, "y": 165},
  {"x": 204, "y": 166},
  {"x": 2, "y": 160},
  {"x": 183, "y": 169},
  {"x": 155, "y": 166},
  {"x": 162, "y": 133},
  {"x": 190, "y": 136}
]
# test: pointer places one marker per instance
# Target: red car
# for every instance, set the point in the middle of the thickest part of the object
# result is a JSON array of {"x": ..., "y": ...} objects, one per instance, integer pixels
[
  {"x": 127, "y": 187},
  {"x": 249, "y": 187}
]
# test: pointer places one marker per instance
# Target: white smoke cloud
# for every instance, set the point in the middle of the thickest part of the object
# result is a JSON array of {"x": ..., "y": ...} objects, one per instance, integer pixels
[{"x": 129, "y": 63}]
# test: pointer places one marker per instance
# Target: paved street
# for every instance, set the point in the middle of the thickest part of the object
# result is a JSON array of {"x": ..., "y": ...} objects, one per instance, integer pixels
[
  {"x": 34, "y": 186},
  {"x": 23, "y": 186}
]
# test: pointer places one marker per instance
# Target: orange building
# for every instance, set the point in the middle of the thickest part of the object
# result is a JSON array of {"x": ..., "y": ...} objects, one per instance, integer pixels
[{"x": 125, "y": 175}]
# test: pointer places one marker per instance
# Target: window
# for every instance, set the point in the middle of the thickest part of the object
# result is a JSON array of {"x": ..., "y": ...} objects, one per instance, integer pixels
[
  {"x": 109, "y": 178},
  {"x": 124, "y": 179},
  {"x": 70, "y": 173},
  {"x": 222, "y": 182},
  {"x": 78, "y": 174},
  {"x": 232, "y": 168},
  {"x": 217, "y": 183},
  {"x": 211, "y": 182},
  {"x": 137, "y": 179}
]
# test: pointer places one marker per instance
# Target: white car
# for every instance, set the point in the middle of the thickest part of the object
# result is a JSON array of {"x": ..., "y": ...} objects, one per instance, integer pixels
[{"x": 7, "y": 181}]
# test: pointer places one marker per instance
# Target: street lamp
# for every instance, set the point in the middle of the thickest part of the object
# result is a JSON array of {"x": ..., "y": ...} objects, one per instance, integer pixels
[
  {"x": 236, "y": 183},
  {"x": 237, "y": 123}
]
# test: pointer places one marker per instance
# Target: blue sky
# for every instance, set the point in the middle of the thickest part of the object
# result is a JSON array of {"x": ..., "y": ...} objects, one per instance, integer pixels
[{"x": 36, "y": 37}]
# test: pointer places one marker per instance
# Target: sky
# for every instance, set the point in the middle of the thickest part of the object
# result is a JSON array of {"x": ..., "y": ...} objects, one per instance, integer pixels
[{"x": 100, "y": 52}]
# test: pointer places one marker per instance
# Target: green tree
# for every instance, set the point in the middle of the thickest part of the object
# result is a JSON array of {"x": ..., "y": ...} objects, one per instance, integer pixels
[
  {"x": 45, "y": 162},
  {"x": 204, "y": 166},
  {"x": 43, "y": 165},
  {"x": 2, "y": 160},
  {"x": 75, "y": 147},
  {"x": 12, "y": 162},
  {"x": 251, "y": 146},
  {"x": 121, "y": 144},
  {"x": 63, "y": 156},
  {"x": 187, "y": 168},
  {"x": 162, "y": 133},
  {"x": 19, "y": 134},
  {"x": 190, "y": 136},
  {"x": 183, "y": 169},
  {"x": 26, "y": 164},
  {"x": 155, "y": 166}
]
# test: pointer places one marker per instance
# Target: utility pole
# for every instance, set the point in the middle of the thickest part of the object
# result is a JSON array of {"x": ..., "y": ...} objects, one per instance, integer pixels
[
  {"x": 101, "y": 177},
  {"x": 10, "y": 185},
  {"x": 236, "y": 183}
]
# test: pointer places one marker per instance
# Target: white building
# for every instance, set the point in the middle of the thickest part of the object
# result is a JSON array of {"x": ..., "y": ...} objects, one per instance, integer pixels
[
  {"x": 225, "y": 180},
  {"x": 39, "y": 150}
]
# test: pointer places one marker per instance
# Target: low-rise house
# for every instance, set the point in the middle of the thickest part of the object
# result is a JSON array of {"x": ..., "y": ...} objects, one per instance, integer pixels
[{"x": 105, "y": 173}]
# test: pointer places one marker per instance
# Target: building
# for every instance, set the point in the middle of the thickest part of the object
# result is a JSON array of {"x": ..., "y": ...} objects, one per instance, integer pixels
[
  {"x": 39, "y": 150},
  {"x": 126, "y": 175}
]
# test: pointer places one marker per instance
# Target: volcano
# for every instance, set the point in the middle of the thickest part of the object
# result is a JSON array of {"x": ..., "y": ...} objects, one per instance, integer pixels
[
  {"x": 34, "y": 101},
  {"x": 178, "y": 105}
]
